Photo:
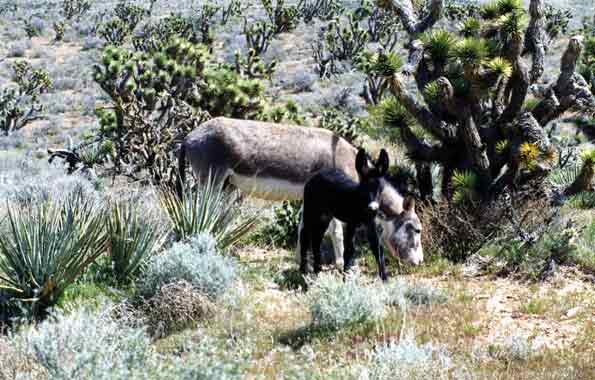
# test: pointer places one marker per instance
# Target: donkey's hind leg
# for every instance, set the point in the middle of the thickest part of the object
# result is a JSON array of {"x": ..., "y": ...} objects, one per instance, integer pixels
[{"x": 336, "y": 231}]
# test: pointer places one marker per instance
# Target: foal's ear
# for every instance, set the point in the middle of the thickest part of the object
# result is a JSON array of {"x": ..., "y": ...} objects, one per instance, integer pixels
[
  {"x": 383, "y": 162},
  {"x": 361, "y": 162},
  {"x": 409, "y": 204}
]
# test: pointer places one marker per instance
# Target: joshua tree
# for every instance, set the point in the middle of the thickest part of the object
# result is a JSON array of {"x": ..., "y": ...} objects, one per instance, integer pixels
[{"x": 473, "y": 121}]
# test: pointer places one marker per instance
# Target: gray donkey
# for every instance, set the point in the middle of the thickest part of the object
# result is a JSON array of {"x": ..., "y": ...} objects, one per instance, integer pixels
[{"x": 274, "y": 161}]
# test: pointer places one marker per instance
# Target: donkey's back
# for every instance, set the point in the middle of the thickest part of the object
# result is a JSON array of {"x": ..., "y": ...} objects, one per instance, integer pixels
[{"x": 268, "y": 160}]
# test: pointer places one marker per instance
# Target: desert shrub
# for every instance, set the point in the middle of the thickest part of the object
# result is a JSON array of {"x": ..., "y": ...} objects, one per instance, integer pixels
[
  {"x": 197, "y": 262},
  {"x": 47, "y": 247},
  {"x": 21, "y": 105},
  {"x": 347, "y": 126},
  {"x": 18, "y": 49},
  {"x": 535, "y": 258},
  {"x": 401, "y": 293},
  {"x": 456, "y": 231},
  {"x": 322, "y": 9},
  {"x": 423, "y": 294},
  {"x": 283, "y": 18},
  {"x": 175, "y": 307},
  {"x": 75, "y": 9},
  {"x": 127, "y": 16},
  {"x": 335, "y": 302},
  {"x": 584, "y": 255},
  {"x": 210, "y": 209},
  {"x": 406, "y": 359},
  {"x": 91, "y": 345},
  {"x": 84, "y": 345},
  {"x": 282, "y": 230},
  {"x": 28, "y": 181},
  {"x": 131, "y": 238},
  {"x": 345, "y": 39}
]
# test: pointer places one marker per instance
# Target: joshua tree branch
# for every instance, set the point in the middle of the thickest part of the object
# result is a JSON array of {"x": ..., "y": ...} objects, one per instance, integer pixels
[
  {"x": 571, "y": 90},
  {"x": 404, "y": 9},
  {"x": 476, "y": 148},
  {"x": 535, "y": 39},
  {"x": 422, "y": 114},
  {"x": 421, "y": 150}
]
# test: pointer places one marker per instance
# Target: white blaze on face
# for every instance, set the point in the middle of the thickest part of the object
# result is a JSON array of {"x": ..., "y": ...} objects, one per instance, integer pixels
[{"x": 374, "y": 206}]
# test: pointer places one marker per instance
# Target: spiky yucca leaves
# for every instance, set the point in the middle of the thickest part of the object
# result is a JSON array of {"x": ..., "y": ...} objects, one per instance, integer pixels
[
  {"x": 471, "y": 27},
  {"x": 378, "y": 67},
  {"x": 502, "y": 147},
  {"x": 439, "y": 45},
  {"x": 432, "y": 92},
  {"x": 131, "y": 238},
  {"x": 529, "y": 153},
  {"x": 46, "y": 247},
  {"x": 393, "y": 113},
  {"x": 498, "y": 8},
  {"x": 465, "y": 185},
  {"x": 210, "y": 209},
  {"x": 471, "y": 51},
  {"x": 500, "y": 66}
]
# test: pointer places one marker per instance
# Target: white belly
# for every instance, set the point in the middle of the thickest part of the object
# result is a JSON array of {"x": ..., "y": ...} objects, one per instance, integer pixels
[{"x": 268, "y": 188}]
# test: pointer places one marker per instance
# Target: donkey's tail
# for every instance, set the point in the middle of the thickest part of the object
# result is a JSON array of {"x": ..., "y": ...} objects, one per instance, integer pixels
[{"x": 181, "y": 171}]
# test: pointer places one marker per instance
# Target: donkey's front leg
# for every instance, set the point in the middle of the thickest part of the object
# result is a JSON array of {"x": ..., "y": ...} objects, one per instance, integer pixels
[
  {"x": 377, "y": 250},
  {"x": 349, "y": 247}
]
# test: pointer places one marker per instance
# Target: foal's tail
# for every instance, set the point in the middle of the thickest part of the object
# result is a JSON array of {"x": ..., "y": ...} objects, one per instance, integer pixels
[{"x": 181, "y": 171}]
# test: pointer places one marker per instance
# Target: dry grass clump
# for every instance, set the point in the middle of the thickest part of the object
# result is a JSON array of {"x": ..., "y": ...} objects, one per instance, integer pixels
[
  {"x": 456, "y": 232},
  {"x": 175, "y": 307}
]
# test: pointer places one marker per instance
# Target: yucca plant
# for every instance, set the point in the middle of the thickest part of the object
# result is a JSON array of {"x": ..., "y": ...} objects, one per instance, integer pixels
[
  {"x": 47, "y": 246},
  {"x": 131, "y": 238},
  {"x": 439, "y": 44},
  {"x": 465, "y": 184},
  {"x": 470, "y": 27},
  {"x": 209, "y": 209},
  {"x": 471, "y": 51}
]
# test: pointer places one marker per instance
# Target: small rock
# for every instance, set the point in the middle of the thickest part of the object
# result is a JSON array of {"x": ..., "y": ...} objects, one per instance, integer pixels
[{"x": 572, "y": 312}]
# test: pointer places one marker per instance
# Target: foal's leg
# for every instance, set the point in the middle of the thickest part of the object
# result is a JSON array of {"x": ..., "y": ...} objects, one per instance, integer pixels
[
  {"x": 317, "y": 233},
  {"x": 349, "y": 247},
  {"x": 304, "y": 239},
  {"x": 298, "y": 251},
  {"x": 377, "y": 250},
  {"x": 336, "y": 232}
]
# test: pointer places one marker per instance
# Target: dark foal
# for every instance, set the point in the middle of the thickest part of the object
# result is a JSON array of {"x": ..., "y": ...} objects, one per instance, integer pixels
[{"x": 331, "y": 193}]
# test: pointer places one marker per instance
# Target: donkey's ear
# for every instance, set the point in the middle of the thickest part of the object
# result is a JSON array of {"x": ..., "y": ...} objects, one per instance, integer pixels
[
  {"x": 383, "y": 162},
  {"x": 409, "y": 204},
  {"x": 361, "y": 162}
]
